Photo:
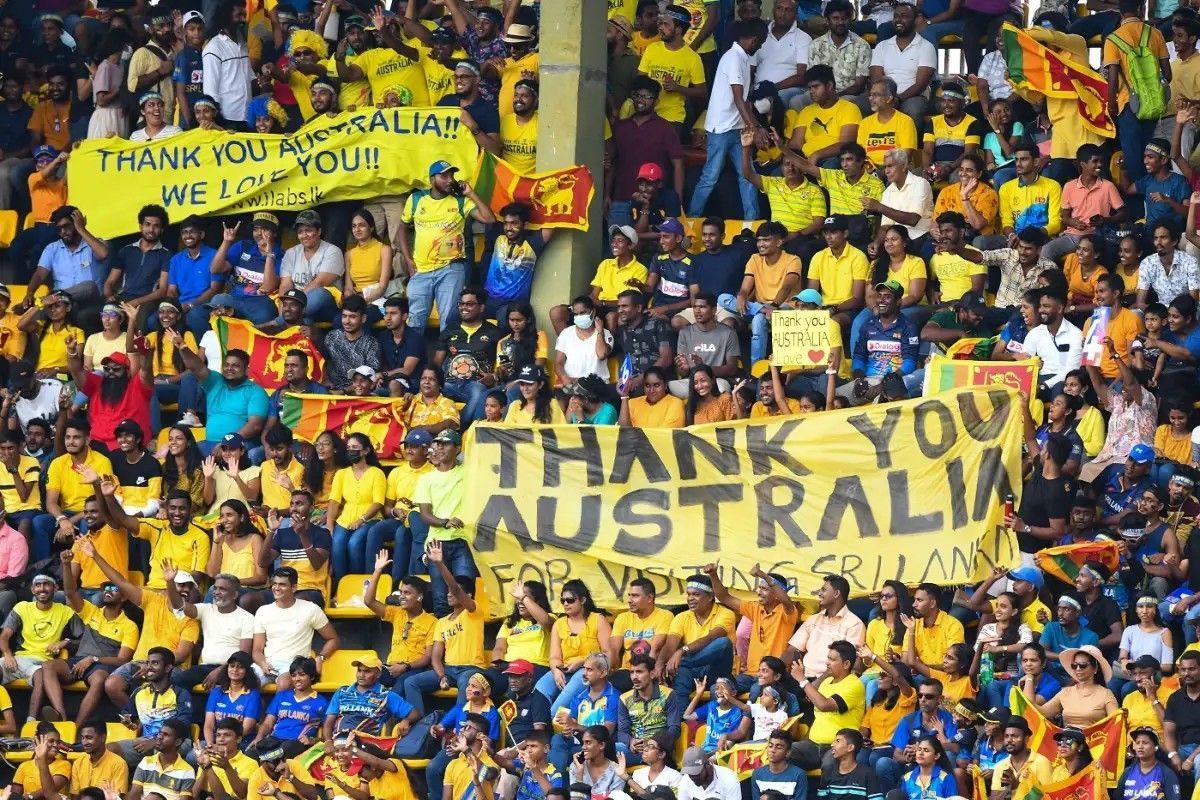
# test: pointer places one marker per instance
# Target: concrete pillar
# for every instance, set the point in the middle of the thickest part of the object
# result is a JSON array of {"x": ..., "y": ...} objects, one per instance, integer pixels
[{"x": 571, "y": 131}]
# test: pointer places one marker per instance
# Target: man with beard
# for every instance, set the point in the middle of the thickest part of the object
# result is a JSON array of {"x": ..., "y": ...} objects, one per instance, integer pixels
[
  {"x": 401, "y": 348},
  {"x": 351, "y": 94},
  {"x": 675, "y": 66},
  {"x": 226, "y": 62},
  {"x": 351, "y": 347},
  {"x": 227, "y": 628},
  {"x": 912, "y": 71},
  {"x": 58, "y": 120},
  {"x": 1021, "y": 762},
  {"x": 235, "y": 403},
  {"x": 518, "y": 128},
  {"x": 39, "y": 625},
  {"x": 479, "y": 34},
  {"x": 39, "y": 440},
  {"x": 297, "y": 544},
  {"x": 106, "y": 641},
  {"x": 1057, "y": 342},
  {"x": 70, "y": 262},
  {"x": 888, "y": 343},
  {"x": 467, "y": 96},
  {"x": 123, "y": 393},
  {"x": 392, "y": 64},
  {"x": 466, "y": 354},
  {"x": 643, "y": 138},
  {"x": 139, "y": 271},
  {"x": 112, "y": 543},
  {"x": 514, "y": 258},
  {"x": 152, "y": 65},
  {"x": 66, "y": 491},
  {"x": 295, "y": 375},
  {"x": 189, "y": 276}
]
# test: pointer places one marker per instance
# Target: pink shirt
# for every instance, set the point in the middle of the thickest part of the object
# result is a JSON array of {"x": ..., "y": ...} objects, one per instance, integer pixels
[
  {"x": 816, "y": 633},
  {"x": 1086, "y": 203},
  {"x": 14, "y": 552}
]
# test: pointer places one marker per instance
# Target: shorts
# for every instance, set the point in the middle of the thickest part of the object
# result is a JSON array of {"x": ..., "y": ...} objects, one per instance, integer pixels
[
  {"x": 130, "y": 670},
  {"x": 90, "y": 671},
  {"x": 26, "y": 666}
]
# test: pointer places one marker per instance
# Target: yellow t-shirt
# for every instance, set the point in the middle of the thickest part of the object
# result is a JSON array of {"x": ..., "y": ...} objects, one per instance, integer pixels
[
  {"x": 823, "y": 126},
  {"x": 364, "y": 262},
  {"x": 260, "y": 778},
  {"x": 439, "y": 79},
  {"x": 40, "y": 627},
  {"x": 518, "y": 142},
  {"x": 666, "y": 413},
  {"x": 120, "y": 629},
  {"x": 357, "y": 494},
  {"x": 769, "y": 278},
  {"x": 625, "y": 8},
  {"x": 30, "y": 471},
  {"x": 53, "y": 351},
  {"x": 954, "y": 689},
  {"x": 846, "y": 197},
  {"x": 1040, "y": 767},
  {"x": 954, "y": 274},
  {"x": 12, "y": 338},
  {"x": 301, "y": 86},
  {"x": 30, "y": 778},
  {"x": 411, "y": 636},
  {"x": 881, "y": 721},
  {"x": 794, "y": 208},
  {"x": 912, "y": 268},
  {"x": 683, "y": 65},
  {"x": 527, "y": 639},
  {"x": 164, "y": 362},
  {"x": 98, "y": 348},
  {"x": 459, "y": 777},
  {"x": 385, "y": 68},
  {"x": 611, "y": 278},
  {"x": 161, "y": 628},
  {"x": 439, "y": 229},
  {"x": 392, "y": 785},
  {"x": 791, "y": 406},
  {"x": 243, "y": 765},
  {"x": 517, "y": 414},
  {"x": 932, "y": 643},
  {"x": 111, "y": 767},
  {"x": 699, "y": 9},
  {"x": 837, "y": 274},
  {"x": 689, "y": 629},
  {"x": 72, "y": 491},
  {"x": 188, "y": 550},
  {"x": 641, "y": 41},
  {"x": 402, "y": 480},
  {"x": 582, "y": 644},
  {"x": 878, "y": 137},
  {"x": 353, "y": 94},
  {"x": 463, "y": 636},
  {"x": 1141, "y": 711},
  {"x": 113, "y": 546},
  {"x": 634, "y": 631},
  {"x": 512, "y": 70},
  {"x": 274, "y": 495},
  {"x": 826, "y": 724}
]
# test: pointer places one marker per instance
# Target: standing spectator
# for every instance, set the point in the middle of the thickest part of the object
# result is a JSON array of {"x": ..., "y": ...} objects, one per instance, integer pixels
[
  {"x": 514, "y": 258},
  {"x": 783, "y": 58},
  {"x": 226, "y": 65},
  {"x": 438, "y": 498},
  {"x": 1133, "y": 133},
  {"x": 676, "y": 66},
  {"x": 908, "y": 59},
  {"x": 643, "y": 138},
  {"x": 845, "y": 51},
  {"x": 436, "y": 258},
  {"x": 729, "y": 112},
  {"x": 188, "y": 75},
  {"x": 152, "y": 65}
]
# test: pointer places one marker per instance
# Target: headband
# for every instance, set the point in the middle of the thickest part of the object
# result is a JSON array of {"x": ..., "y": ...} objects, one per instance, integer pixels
[
  {"x": 147, "y": 97},
  {"x": 1182, "y": 480},
  {"x": 1132, "y": 533},
  {"x": 965, "y": 712},
  {"x": 42, "y": 578},
  {"x": 271, "y": 755},
  {"x": 678, "y": 16},
  {"x": 771, "y": 690},
  {"x": 1071, "y": 601},
  {"x": 204, "y": 101},
  {"x": 160, "y": 19},
  {"x": 321, "y": 83},
  {"x": 953, "y": 91},
  {"x": 773, "y": 581},
  {"x": 467, "y": 65},
  {"x": 482, "y": 682},
  {"x": 1095, "y": 576},
  {"x": 1148, "y": 601},
  {"x": 699, "y": 587},
  {"x": 1154, "y": 148}
]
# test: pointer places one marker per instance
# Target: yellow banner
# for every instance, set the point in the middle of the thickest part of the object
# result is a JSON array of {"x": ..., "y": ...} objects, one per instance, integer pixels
[
  {"x": 354, "y": 156},
  {"x": 910, "y": 490}
]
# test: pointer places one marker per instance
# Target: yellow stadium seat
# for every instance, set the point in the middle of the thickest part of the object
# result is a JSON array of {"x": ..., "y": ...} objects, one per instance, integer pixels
[
  {"x": 760, "y": 368},
  {"x": 118, "y": 732},
  {"x": 17, "y": 292},
  {"x": 9, "y": 223},
  {"x": 66, "y": 730},
  {"x": 691, "y": 227},
  {"x": 734, "y": 227},
  {"x": 348, "y": 599},
  {"x": 434, "y": 320},
  {"x": 28, "y": 222},
  {"x": 197, "y": 434},
  {"x": 338, "y": 670}
]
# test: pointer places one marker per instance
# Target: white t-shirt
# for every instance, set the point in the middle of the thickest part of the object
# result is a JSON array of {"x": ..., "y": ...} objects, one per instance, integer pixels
[
  {"x": 581, "y": 353},
  {"x": 44, "y": 406},
  {"x": 289, "y": 630},
  {"x": 765, "y": 721},
  {"x": 777, "y": 59},
  {"x": 223, "y": 633},
  {"x": 140, "y": 134},
  {"x": 301, "y": 270},
  {"x": 916, "y": 197},
  {"x": 732, "y": 70},
  {"x": 724, "y": 786},
  {"x": 668, "y": 777},
  {"x": 901, "y": 65}
]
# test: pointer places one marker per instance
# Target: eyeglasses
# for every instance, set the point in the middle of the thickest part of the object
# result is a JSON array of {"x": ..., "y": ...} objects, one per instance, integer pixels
[{"x": 888, "y": 596}]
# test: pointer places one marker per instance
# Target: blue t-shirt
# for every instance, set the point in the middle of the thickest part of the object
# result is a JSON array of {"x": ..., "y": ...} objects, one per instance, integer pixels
[
  {"x": 1174, "y": 186},
  {"x": 941, "y": 784},
  {"x": 189, "y": 71},
  {"x": 1114, "y": 499},
  {"x": 792, "y": 782},
  {"x": 295, "y": 717},
  {"x": 510, "y": 273},
  {"x": 1191, "y": 342},
  {"x": 605, "y": 415},
  {"x": 457, "y": 715},
  {"x": 192, "y": 276},
  {"x": 1055, "y": 639},
  {"x": 247, "y": 267},
  {"x": 288, "y": 543},
  {"x": 141, "y": 269},
  {"x": 1160, "y": 783},
  {"x": 246, "y": 705},
  {"x": 720, "y": 721},
  {"x": 675, "y": 278},
  {"x": 356, "y": 706},
  {"x": 588, "y": 711},
  {"x": 528, "y": 787},
  {"x": 720, "y": 272},
  {"x": 911, "y": 728},
  {"x": 229, "y": 407}
]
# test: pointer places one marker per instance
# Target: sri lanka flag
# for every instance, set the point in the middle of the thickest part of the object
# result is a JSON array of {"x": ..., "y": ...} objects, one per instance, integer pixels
[{"x": 558, "y": 199}]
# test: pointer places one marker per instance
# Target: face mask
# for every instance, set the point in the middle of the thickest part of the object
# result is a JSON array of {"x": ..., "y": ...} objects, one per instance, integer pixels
[
  {"x": 354, "y": 456},
  {"x": 583, "y": 321}
]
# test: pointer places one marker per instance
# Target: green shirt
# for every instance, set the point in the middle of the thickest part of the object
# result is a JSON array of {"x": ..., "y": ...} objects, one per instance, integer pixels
[{"x": 443, "y": 491}]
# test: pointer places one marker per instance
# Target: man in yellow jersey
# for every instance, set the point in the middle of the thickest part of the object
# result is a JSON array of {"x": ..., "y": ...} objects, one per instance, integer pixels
[
  {"x": 352, "y": 94},
  {"x": 519, "y": 128},
  {"x": 647, "y": 26},
  {"x": 66, "y": 491},
  {"x": 392, "y": 64},
  {"x": 437, "y": 258},
  {"x": 675, "y": 66}
]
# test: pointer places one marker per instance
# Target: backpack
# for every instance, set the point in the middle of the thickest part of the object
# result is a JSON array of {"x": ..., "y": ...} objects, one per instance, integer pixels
[
  {"x": 418, "y": 743},
  {"x": 1147, "y": 95}
]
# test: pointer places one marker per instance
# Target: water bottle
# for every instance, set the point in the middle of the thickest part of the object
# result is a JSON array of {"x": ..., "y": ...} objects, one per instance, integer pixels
[{"x": 986, "y": 670}]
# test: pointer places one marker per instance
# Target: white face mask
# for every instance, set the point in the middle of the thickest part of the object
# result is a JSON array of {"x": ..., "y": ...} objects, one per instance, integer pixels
[{"x": 583, "y": 321}]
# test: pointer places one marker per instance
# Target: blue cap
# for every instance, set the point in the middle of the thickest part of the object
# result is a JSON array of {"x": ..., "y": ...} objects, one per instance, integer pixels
[
  {"x": 1141, "y": 453},
  {"x": 44, "y": 151},
  {"x": 418, "y": 438},
  {"x": 810, "y": 296},
  {"x": 233, "y": 440},
  {"x": 438, "y": 167},
  {"x": 1028, "y": 574}
]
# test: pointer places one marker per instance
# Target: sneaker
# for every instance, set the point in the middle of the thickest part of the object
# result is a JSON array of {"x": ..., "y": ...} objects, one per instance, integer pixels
[
  {"x": 50, "y": 715},
  {"x": 190, "y": 420}
]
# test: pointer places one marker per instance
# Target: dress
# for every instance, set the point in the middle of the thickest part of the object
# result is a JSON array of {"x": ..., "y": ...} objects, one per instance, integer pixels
[{"x": 110, "y": 120}]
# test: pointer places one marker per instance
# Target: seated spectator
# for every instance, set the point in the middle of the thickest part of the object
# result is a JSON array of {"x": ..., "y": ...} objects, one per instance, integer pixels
[
  {"x": 98, "y": 764},
  {"x": 401, "y": 348},
  {"x": 797, "y": 206},
  {"x": 826, "y": 122},
  {"x": 998, "y": 143},
  {"x": 848, "y": 188},
  {"x": 166, "y": 771},
  {"x": 536, "y": 404},
  {"x": 656, "y": 408},
  {"x": 428, "y": 409},
  {"x": 191, "y": 280},
  {"x": 47, "y": 187},
  {"x": 706, "y": 402},
  {"x": 350, "y": 346},
  {"x": 467, "y": 354},
  {"x": 235, "y": 404},
  {"x": 222, "y": 763},
  {"x": 284, "y": 629},
  {"x": 769, "y": 401},
  {"x": 1170, "y": 272},
  {"x": 887, "y": 344},
  {"x": 253, "y": 268},
  {"x": 586, "y": 404},
  {"x": 699, "y": 643},
  {"x": 313, "y": 266},
  {"x": 1090, "y": 203},
  {"x": 972, "y": 198},
  {"x": 887, "y": 128},
  {"x": 66, "y": 489},
  {"x": 583, "y": 347},
  {"x": 294, "y": 716},
  {"x": 1031, "y": 201},
  {"x": 1166, "y": 192},
  {"x": 932, "y": 772},
  {"x": 950, "y": 135},
  {"x": 772, "y": 276},
  {"x": 912, "y": 71},
  {"x": 906, "y": 200},
  {"x": 579, "y": 632},
  {"x": 523, "y": 346},
  {"x": 478, "y": 704},
  {"x": 235, "y": 697},
  {"x": 355, "y": 501},
  {"x": 839, "y": 272},
  {"x": 1057, "y": 342},
  {"x": 49, "y": 771}
]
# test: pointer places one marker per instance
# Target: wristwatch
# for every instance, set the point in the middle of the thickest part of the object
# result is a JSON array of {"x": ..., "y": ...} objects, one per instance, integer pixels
[{"x": 686, "y": 649}]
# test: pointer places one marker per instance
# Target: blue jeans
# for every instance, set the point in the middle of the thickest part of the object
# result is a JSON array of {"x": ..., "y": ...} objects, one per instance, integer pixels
[
  {"x": 1003, "y": 175},
  {"x": 419, "y": 684},
  {"x": 164, "y": 394},
  {"x": 44, "y": 527},
  {"x": 889, "y": 771},
  {"x": 937, "y": 30},
  {"x": 1101, "y": 24},
  {"x": 392, "y": 530},
  {"x": 254, "y": 308},
  {"x": 456, "y": 555},
  {"x": 436, "y": 772},
  {"x": 1133, "y": 133},
  {"x": 473, "y": 393},
  {"x": 712, "y": 662},
  {"x": 196, "y": 320},
  {"x": 997, "y": 693},
  {"x": 557, "y": 698},
  {"x": 760, "y": 325},
  {"x": 442, "y": 285},
  {"x": 27, "y": 248},
  {"x": 723, "y": 147},
  {"x": 350, "y": 555}
]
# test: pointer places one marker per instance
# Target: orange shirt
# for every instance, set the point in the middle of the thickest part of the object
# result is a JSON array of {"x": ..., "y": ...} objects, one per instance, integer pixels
[
  {"x": 984, "y": 199},
  {"x": 1080, "y": 289},
  {"x": 45, "y": 196},
  {"x": 52, "y": 123}
]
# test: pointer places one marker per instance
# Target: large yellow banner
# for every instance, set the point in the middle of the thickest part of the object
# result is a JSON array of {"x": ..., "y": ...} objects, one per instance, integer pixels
[
  {"x": 911, "y": 490},
  {"x": 354, "y": 156}
]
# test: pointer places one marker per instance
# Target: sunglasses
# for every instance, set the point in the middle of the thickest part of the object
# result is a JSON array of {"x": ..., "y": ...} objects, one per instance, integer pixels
[
  {"x": 568, "y": 599},
  {"x": 1080, "y": 664},
  {"x": 930, "y": 696}
]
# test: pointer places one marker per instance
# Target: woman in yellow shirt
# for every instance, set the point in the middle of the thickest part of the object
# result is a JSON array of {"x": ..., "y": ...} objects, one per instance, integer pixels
[
  {"x": 52, "y": 334},
  {"x": 229, "y": 475},
  {"x": 1089, "y": 422},
  {"x": 106, "y": 341},
  {"x": 577, "y": 634},
  {"x": 525, "y": 344},
  {"x": 166, "y": 363},
  {"x": 1173, "y": 439},
  {"x": 885, "y": 633},
  {"x": 181, "y": 465},
  {"x": 656, "y": 408},
  {"x": 368, "y": 262},
  {"x": 355, "y": 503},
  {"x": 897, "y": 264},
  {"x": 894, "y": 698},
  {"x": 237, "y": 545},
  {"x": 536, "y": 404},
  {"x": 328, "y": 456},
  {"x": 706, "y": 402},
  {"x": 525, "y": 634}
]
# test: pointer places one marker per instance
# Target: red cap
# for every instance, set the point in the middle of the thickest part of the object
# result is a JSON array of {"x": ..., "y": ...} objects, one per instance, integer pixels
[
  {"x": 519, "y": 667},
  {"x": 116, "y": 358},
  {"x": 650, "y": 172}
]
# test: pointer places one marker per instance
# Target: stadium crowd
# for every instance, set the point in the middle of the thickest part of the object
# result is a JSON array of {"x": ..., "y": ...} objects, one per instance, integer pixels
[{"x": 173, "y": 557}]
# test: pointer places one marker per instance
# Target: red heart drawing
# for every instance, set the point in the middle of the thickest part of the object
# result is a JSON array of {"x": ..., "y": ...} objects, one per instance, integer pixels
[{"x": 816, "y": 356}]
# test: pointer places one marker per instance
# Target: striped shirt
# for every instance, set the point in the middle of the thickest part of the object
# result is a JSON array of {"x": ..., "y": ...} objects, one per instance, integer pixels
[
  {"x": 846, "y": 197},
  {"x": 173, "y": 782}
]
